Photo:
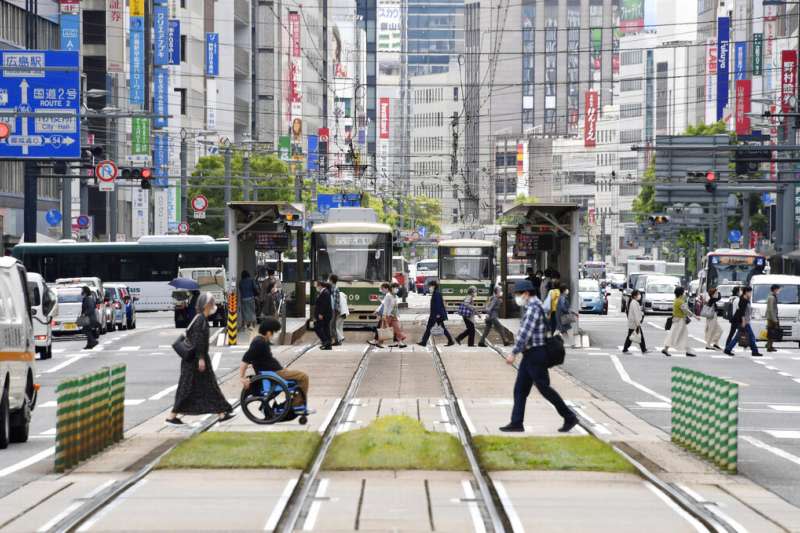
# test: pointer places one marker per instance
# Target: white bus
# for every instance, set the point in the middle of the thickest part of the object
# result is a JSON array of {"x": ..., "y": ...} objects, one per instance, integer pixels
[{"x": 145, "y": 266}]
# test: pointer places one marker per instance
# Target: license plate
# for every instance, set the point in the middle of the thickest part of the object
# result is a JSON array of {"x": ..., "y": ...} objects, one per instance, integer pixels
[{"x": 70, "y": 326}]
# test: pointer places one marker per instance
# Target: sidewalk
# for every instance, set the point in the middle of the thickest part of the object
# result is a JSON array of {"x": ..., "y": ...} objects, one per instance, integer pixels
[{"x": 295, "y": 328}]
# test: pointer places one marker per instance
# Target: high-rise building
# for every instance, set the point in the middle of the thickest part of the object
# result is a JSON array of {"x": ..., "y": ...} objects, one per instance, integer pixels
[{"x": 435, "y": 34}]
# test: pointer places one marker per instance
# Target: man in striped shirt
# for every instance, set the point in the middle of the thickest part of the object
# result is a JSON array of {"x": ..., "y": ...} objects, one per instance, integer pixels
[{"x": 533, "y": 369}]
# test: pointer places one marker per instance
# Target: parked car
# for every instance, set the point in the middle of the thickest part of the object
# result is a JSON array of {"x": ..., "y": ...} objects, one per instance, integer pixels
[
  {"x": 658, "y": 294},
  {"x": 96, "y": 285},
  {"x": 65, "y": 320},
  {"x": 17, "y": 354},
  {"x": 788, "y": 305},
  {"x": 115, "y": 292},
  {"x": 592, "y": 297},
  {"x": 427, "y": 269},
  {"x": 43, "y": 307}
]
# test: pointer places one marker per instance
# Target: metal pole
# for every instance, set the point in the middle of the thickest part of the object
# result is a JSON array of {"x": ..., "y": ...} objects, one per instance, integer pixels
[
  {"x": 745, "y": 220},
  {"x": 227, "y": 195},
  {"x": 185, "y": 181},
  {"x": 723, "y": 226},
  {"x": 298, "y": 188},
  {"x": 246, "y": 186},
  {"x": 31, "y": 175},
  {"x": 66, "y": 207}
]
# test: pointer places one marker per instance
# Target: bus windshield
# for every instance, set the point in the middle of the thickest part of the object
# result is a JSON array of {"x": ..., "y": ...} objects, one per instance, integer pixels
[
  {"x": 465, "y": 267},
  {"x": 733, "y": 269},
  {"x": 352, "y": 256}
]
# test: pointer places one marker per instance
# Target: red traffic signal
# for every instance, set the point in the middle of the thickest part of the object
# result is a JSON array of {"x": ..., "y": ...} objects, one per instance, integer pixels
[
  {"x": 146, "y": 173},
  {"x": 711, "y": 181}
]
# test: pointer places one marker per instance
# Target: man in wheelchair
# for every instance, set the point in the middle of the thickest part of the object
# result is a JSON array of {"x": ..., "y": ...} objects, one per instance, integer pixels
[{"x": 259, "y": 356}]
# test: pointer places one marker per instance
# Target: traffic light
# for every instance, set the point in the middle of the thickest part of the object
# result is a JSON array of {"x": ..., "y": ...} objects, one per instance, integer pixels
[
  {"x": 749, "y": 161},
  {"x": 146, "y": 174},
  {"x": 90, "y": 155},
  {"x": 711, "y": 181},
  {"x": 657, "y": 220}
]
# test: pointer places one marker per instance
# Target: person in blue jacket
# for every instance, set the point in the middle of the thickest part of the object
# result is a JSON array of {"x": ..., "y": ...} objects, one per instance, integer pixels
[{"x": 438, "y": 315}]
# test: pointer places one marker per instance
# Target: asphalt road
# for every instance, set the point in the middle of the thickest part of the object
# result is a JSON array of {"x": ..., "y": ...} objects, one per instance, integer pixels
[
  {"x": 151, "y": 376},
  {"x": 769, "y": 390}
]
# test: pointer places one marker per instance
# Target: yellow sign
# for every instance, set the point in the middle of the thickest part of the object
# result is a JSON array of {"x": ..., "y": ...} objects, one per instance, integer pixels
[{"x": 137, "y": 8}]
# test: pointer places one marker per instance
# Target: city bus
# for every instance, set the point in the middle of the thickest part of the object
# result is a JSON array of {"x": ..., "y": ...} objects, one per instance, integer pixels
[
  {"x": 359, "y": 252},
  {"x": 465, "y": 263},
  {"x": 725, "y": 268},
  {"x": 145, "y": 266},
  {"x": 593, "y": 270}
]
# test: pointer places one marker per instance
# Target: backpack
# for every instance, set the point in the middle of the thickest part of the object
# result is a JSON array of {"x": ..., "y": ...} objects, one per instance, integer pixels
[{"x": 465, "y": 310}]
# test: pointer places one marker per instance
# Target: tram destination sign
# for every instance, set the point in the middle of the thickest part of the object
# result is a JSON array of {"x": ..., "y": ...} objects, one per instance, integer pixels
[{"x": 272, "y": 241}]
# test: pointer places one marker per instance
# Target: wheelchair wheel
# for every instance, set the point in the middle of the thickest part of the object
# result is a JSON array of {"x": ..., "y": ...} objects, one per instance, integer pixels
[
  {"x": 271, "y": 404},
  {"x": 303, "y": 420}
]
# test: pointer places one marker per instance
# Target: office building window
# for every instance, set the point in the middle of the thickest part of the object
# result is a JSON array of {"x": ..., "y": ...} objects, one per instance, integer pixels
[
  {"x": 630, "y": 110},
  {"x": 628, "y": 163},
  {"x": 184, "y": 103},
  {"x": 631, "y": 57},
  {"x": 183, "y": 48},
  {"x": 630, "y": 136},
  {"x": 630, "y": 85}
]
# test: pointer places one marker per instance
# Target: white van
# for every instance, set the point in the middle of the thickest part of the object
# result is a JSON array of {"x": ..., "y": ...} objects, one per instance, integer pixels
[
  {"x": 104, "y": 314},
  {"x": 44, "y": 306},
  {"x": 17, "y": 353},
  {"x": 788, "y": 305}
]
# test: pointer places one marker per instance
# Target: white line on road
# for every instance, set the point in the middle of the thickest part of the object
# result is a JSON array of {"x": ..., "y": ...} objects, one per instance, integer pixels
[
  {"x": 277, "y": 511},
  {"x": 313, "y": 512},
  {"x": 786, "y": 408},
  {"x": 25, "y": 463},
  {"x": 653, "y": 324},
  {"x": 700, "y": 528},
  {"x": 111, "y": 506},
  {"x": 782, "y": 434},
  {"x": 695, "y": 337},
  {"x": 51, "y": 403},
  {"x": 161, "y": 394},
  {"x": 51, "y": 431},
  {"x": 215, "y": 359},
  {"x": 785, "y": 374},
  {"x": 131, "y": 403},
  {"x": 508, "y": 505},
  {"x": 129, "y": 348},
  {"x": 623, "y": 374},
  {"x": 472, "y": 505},
  {"x": 65, "y": 364},
  {"x": 777, "y": 451}
]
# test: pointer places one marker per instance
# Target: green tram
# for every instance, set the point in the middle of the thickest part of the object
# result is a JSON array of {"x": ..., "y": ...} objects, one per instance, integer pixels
[
  {"x": 360, "y": 254},
  {"x": 464, "y": 263}
]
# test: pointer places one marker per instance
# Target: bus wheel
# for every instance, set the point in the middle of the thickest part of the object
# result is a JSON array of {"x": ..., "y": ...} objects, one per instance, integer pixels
[{"x": 5, "y": 420}]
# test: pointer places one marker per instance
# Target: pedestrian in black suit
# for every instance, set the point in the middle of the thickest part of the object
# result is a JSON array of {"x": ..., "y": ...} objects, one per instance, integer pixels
[
  {"x": 438, "y": 314},
  {"x": 323, "y": 314}
]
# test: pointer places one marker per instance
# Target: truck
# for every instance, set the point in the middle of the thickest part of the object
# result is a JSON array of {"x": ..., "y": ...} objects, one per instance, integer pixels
[{"x": 210, "y": 279}]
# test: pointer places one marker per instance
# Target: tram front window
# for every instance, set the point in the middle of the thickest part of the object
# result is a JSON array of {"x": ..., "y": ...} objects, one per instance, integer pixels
[
  {"x": 467, "y": 265},
  {"x": 353, "y": 256}
]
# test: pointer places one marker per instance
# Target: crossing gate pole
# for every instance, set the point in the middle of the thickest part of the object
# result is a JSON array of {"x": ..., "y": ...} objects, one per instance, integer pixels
[{"x": 233, "y": 319}]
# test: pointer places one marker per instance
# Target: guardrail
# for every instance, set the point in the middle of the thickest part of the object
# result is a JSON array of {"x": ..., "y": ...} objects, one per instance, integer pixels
[
  {"x": 705, "y": 416},
  {"x": 90, "y": 415}
]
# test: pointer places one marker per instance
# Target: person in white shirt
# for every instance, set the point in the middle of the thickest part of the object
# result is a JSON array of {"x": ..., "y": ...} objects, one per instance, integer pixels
[{"x": 635, "y": 317}]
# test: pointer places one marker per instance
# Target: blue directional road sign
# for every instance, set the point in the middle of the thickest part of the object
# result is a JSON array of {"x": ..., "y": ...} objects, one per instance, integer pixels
[
  {"x": 53, "y": 217},
  {"x": 734, "y": 235},
  {"x": 422, "y": 230},
  {"x": 45, "y": 84},
  {"x": 70, "y": 31}
]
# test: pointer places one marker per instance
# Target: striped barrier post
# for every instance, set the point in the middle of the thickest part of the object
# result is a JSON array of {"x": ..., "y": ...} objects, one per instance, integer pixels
[
  {"x": 705, "y": 415},
  {"x": 66, "y": 427},
  {"x": 233, "y": 319},
  {"x": 117, "y": 402}
]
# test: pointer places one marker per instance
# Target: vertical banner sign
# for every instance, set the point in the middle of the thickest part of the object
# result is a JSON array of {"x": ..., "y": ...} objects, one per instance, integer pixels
[
  {"x": 174, "y": 42},
  {"x": 137, "y": 59},
  {"x": 711, "y": 76},
  {"x": 70, "y": 31},
  {"x": 520, "y": 160},
  {"x": 758, "y": 48},
  {"x": 723, "y": 64},
  {"x": 323, "y": 133},
  {"x": 160, "y": 96},
  {"x": 788, "y": 79},
  {"x": 140, "y": 217},
  {"x": 137, "y": 8},
  {"x": 740, "y": 69},
  {"x": 590, "y": 120},
  {"x": 295, "y": 77},
  {"x": 283, "y": 147},
  {"x": 140, "y": 136},
  {"x": 160, "y": 35},
  {"x": 161, "y": 159},
  {"x": 115, "y": 36},
  {"x": 212, "y": 54},
  {"x": 632, "y": 16},
  {"x": 743, "y": 95},
  {"x": 384, "y": 126},
  {"x": 313, "y": 153}
]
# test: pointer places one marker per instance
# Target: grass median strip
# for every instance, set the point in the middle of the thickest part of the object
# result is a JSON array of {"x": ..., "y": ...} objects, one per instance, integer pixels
[
  {"x": 395, "y": 443},
  {"x": 223, "y": 449},
  {"x": 549, "y": 453}
]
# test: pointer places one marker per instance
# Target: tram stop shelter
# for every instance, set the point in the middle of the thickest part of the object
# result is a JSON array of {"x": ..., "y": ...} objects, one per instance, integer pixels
[
  {"x": 264, "y": 227},
  {"x": 546, "y": 236}
]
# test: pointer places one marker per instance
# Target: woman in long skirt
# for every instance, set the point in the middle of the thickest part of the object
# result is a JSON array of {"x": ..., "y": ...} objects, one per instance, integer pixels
[
  {"x": 678, "y": 337},
  {"x": 198, "y": 391},
  {"x": 713, "y": 330}
]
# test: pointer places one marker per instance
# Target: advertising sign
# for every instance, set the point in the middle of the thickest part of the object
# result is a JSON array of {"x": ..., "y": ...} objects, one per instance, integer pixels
[
  {"x": 140, "y": 136},
  {"x": 632, "y": 17},
  {"x": 295, "y": 79},
  {"x": 758, "y": 49},
  {"x": 590, "y": 119},
  {"x": 137, "y": 60},
  {"x": 70, "y": 31},
  {"x": 137, "y": 8},
  {"x": 743, "y": 96},
  {"x": 313, "y": 153},
  {"x": 160, "y": 96},
  {"x": 723, "y": 64},
  {"x": 161, "y": 159},
  {"x": 711, "y": 77},
  {"x": 174, "y": 42},
  {"x": 389, "y": 19},
  {"x": 788, "y": 78},
  {"x": 284, "y": 143},
  {"x": 160, "y": 35},
  {"x": 115, "y": 36},
  {"x": 140, "y": 217},
  {"x": 324, "y": 135},
  {"x": 740, "y": 71},
  {"x": 384, "y": 114},
  {"x": 212, "y": 54},
  {"x": 46, "y": 83}
]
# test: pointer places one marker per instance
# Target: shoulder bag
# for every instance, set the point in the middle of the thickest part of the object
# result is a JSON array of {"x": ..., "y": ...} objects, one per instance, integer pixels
[
  {"x": 708, "y": 311},
  {"x": 182, "y": 346},
  {"x": 668, "y": 324}
]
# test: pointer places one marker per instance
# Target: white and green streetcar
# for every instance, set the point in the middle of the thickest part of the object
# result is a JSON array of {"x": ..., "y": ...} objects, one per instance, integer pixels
[
  {"x": 465, "y": 263},
  {"x": 352, "y": 245}
]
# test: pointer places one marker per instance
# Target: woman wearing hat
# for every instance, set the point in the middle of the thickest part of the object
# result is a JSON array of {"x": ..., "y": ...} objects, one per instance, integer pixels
[{"x": 198, "y": 391}]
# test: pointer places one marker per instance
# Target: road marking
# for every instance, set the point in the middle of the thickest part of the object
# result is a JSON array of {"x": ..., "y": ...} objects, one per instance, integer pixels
[
  {"x": 786, "y": 408},
  {"x": 508, "y": 505},
  {"x": 695, "y": 337},
  {"x": 700, "y": 528},
  {"x": 99, "y": 489},
  {"x": 785, "y": 374},
  {"x": 796, "y": 380},
  {"x": 654, "y": 405},
  {"x": 66, "y": 363},
  {"x": 771, "y": 367},
  {"x": 131, "y": 403},
  {"x": 467, "y": 420},
  {"x": 25, "y": 463},
  {"x": 62, "y": 350},
  {"x": 653, "y": 324},
  {"x": 623, "y": 374},
  {"x": 782, "y": 434},
  {"x": 277, "y": 511},
  {"x": 313, "y": 512},
  {"x": 220, "y": 340},
  {"x": 111, "y": 506},
  {"x": 713, "y": 507},
  {"x": 472, "y": 505},
  {"x": 129, "y": 348},
  {"x": 777, "y": 451},
  {"x": 329, "y": 416},
  {"x": 57, "y": 518},
  {"x": 51, "y": 431},
  {"x": 215, "y": 359},
  {"x": 51, "y": 403},
  {"x": 161, "y": 394}
]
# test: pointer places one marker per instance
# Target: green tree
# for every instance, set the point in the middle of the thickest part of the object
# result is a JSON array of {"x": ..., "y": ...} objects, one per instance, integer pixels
[{"x": 645, "y": 203}]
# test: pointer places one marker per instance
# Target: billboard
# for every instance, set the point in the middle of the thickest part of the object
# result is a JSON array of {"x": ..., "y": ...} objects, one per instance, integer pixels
[
  {"x": 295, "y": 79},
  {"x": 723, "y": 64},
  {"x": 115, "y": 32},
  {"x": 389, "y": 19},
  {"x": 590, "y": 119},
  {"x": 137, "y": 61},
  {"x": 632, "y": 16},
  {"x": 788, "y": 79},
  {"x": 743, "y": 95},
  {"x": 740, "y": 61},
  {"x": 384, "y": 114}
]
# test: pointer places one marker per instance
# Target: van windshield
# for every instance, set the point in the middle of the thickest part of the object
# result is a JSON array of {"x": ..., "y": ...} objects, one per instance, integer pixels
[
  {"x": 788, "y": 295},
  {"x": 33, "y": 293},
  {"x": 71, "y": 297}
]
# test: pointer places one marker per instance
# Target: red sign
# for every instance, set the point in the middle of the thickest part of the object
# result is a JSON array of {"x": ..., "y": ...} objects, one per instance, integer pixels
[
  {"x": 788, "y": 78},
  {"x": 106, "y": 171},
  {"x": 743, "y": 93},
  {"x": 520, "y": 160},
  {"x": 590, "y": 119},
  {"x": 183, "y": 228},
  {"x": 294, "y": 31},
  {"x": 200, "y": 203},
  {"x": 711, "y": 56},
  {"x": 72, "y": 7},
  {"x": 384, "y": 129},
  {"x": 324, "y": 134}
]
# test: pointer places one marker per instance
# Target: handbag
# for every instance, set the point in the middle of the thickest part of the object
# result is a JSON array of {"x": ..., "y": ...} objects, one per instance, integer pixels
[
  {"x": 437, "y": 331},
  {"x": 708, "y": 311},
  {"x": 83, "y": 321},
  {"x": 182, "y": 346},
  {"x": 385, "y": 334},
  {"x": 636, "y": 336},
  {"x": 668, "y": 324},
  {"x": 744, "y": 338},
  {"x": 465, "y": 310},
  {"x": 554, "y": 348}
]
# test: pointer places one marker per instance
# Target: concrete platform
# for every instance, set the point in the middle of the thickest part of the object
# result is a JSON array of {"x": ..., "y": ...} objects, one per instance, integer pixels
[{"x": 295, "y": 329}]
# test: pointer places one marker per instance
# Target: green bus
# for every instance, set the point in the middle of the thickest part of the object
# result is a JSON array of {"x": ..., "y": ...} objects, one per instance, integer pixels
[{"x": 465, "y": 263}]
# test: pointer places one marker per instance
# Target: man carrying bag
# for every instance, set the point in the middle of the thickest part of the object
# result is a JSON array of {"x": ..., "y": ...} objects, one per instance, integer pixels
[{"x": 533, "y": 369}]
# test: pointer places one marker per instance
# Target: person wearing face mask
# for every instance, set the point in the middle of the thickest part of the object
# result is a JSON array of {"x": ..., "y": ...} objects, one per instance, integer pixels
[
  {"x": 391, "y": 316},
  {"x": 437, "y": 316},
  {"x": 635, "y": 317},
  {"x": 492, "y": 315},
  {"x": 323, "y": 313},
  {"x": 533, "y": 368},
  {"x": 198, "y": 392}
]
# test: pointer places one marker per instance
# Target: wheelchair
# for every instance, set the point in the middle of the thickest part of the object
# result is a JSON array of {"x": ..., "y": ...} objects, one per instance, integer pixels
[{"x": 269, "y": 400}]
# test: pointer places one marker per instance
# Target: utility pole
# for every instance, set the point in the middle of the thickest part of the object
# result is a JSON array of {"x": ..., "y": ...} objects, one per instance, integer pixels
[
  {"x": 227, "y": 194},
  {"x": 66, "y": 205},
  {"x": 31, "y": 167},
  {"x": 246, "y": 187},
  {"x": 184, "y": 179}
]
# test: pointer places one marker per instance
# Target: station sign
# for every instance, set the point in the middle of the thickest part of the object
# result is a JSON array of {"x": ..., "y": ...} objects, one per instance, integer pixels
[{"x": 272, "y": 241}]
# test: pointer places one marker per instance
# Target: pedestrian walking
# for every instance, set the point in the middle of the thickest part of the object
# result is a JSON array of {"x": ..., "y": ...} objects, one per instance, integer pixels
[
  {"x": 742, "y": 317},
  {"x": 713, "y": 330},
  {"x": 379, "y": 312},
  {"x": 391, "y": 315},
  {"x": 730, "y": 311},
  {"x": 533, "y": 368},
  {"x": 437, "y": 316},
  {"x": 492, "y": 319},
  {"x": 259, "y": 357},
  {"x": 551, "y": 301},
  {"x": 88, "y": 317},
  {"x": 337, "y": 323},
  {"x": 198, "y": 392},
  {"x": 323, "y": 313},
  {"x": 773, "y": 321},
  {"x": 635, "y": 318},
  {"x": 247, "y": 293},
  {"x": 564, "y": 315},
  {"x": 467, "y": 312},
  {"x": 678, "y": 336}
]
